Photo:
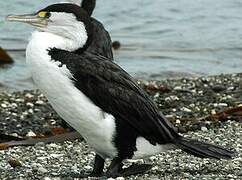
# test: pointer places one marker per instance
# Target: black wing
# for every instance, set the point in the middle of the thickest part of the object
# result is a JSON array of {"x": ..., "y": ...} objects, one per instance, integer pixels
[{"x": 115, "y": 91}]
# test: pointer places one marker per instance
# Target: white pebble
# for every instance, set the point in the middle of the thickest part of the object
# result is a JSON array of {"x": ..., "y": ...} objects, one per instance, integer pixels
[
  {"x": 31, "y": 134},
  {"x": 230, "y": 88},
  {"x": 42, "y": 170},
  {"x": 120, "y": 178},
  {"x": 223, "y": 104},
  {"x": 4, "y": 105},
  {"x": 213, "y": 112},
  {"x": 39, "y": 102},
  {"x": 42, "y": 158},
  {"x": 47, "y": 178},
  {"x": 186, "y": 109},
  {"x": 178, "y": 121},
  {"x": 53, "y": 145},
  {"x": 152, "y": 158},
  {"x": 19, "y": 100},
  {"x": 30, "y": 96},
  {"x": 155, "y": 168},
  {"x": 88, "y": 167},
  {"x": 30, "y": 104},
  {"x": 31, "y": 111},
  {"x": 14, "y": 105},
  {"x": 56, "y": 155},
  {"x": 178, "y": 88},
  {"x": 204, "y": 129}
]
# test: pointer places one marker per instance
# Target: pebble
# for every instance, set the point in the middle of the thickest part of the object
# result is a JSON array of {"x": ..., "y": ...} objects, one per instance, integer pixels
[
  {"x": 30, "y": 134},
  {"x": 218, "y": 88},
  {"x": 186, "y": 109},
  {"x": 178, "y": 121},
  {"x": 14, "y": 163},
  {"x": 42, "y": 170},
  {"x": 204, "y": 129},
  {"x": 39, "y": 102},
  {"x": 177, "y": 88},
  {"x": 120, "y": 178},
  {"x": 47, "y": 178},
  {"x": 29, "y": 96},
  {"x": 30, "y": 104},
  {"x": 172, "y": 98},
  {"x": 213, "y": 112},
  {"x": 4, "y": 105},
  {"x": 220, "y": 105}
]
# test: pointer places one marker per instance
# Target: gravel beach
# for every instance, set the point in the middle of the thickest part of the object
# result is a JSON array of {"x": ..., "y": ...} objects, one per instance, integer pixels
[{"x": 186, "y": 102}]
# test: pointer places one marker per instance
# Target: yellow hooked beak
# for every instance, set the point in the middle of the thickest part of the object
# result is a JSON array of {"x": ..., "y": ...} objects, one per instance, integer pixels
[{"x": 38, "y": 20}]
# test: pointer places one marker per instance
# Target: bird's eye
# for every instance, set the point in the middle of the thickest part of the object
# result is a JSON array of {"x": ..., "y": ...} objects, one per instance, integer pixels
[{"x": 44, "y": 14}]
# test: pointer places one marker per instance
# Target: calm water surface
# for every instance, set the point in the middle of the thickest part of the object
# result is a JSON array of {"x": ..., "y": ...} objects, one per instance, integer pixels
[{"x": 161, "y": 38}]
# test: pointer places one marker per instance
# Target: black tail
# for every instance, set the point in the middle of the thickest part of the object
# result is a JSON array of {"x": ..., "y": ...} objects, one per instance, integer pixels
[{"x": 203, "y": 150}]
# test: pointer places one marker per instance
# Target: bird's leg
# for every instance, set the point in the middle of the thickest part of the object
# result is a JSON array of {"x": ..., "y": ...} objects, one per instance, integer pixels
[
  {"x": 98, "y": 166},
  {"x": 114, "y": 168}
]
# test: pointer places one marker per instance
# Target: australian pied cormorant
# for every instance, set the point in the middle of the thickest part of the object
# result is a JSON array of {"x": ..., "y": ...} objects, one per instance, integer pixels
[{"x": 97, "y": 97}]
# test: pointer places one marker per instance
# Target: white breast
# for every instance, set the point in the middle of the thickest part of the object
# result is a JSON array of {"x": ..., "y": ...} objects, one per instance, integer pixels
[{"x": 96, "y": 126}]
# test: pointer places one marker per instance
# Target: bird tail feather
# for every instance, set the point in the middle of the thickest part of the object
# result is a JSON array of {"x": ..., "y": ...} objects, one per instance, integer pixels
[{"x": 204, "y": 150}]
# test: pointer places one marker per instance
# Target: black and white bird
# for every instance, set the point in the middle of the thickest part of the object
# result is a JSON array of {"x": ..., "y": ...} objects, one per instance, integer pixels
[
  {"x": 101, "y": 43},
  {"x": 97, "y": 97}
]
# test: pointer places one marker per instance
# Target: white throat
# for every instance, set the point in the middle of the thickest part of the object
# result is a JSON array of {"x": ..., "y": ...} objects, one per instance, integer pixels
[{"x": 45, "y": 41}]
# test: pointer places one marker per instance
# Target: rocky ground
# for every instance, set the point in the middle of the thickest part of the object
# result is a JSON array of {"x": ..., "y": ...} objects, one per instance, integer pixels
[{"x": 186, "y": 102}]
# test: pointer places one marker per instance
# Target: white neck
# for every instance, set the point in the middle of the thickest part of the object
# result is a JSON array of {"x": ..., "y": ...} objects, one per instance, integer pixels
[{"x": 46, "y": 40}]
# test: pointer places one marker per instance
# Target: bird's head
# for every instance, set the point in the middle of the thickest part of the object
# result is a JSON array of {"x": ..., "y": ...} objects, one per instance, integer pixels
[{"x": 64, "y": 19}]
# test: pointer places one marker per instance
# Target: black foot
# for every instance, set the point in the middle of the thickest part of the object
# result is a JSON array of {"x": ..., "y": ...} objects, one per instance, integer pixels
[
  {"x": 116, "y": 170},
  {"x": 98, "y": 167},
  {"x": 135, "y": 169}
]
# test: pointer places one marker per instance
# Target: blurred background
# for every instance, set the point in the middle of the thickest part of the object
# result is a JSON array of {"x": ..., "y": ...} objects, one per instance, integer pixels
[{"x": 159, "y": 39}]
